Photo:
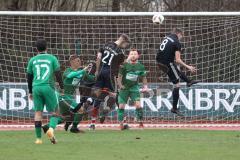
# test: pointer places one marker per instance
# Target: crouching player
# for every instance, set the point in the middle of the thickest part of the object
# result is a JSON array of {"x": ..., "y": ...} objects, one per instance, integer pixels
[
  {"x": 128, "y": 77},
  {"x": 68, "y": 107}
]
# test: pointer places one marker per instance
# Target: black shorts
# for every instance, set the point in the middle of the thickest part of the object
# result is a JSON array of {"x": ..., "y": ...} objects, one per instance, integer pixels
[
  {"x": 105, "y": 80},
  {"x": 173, "y": 73}
]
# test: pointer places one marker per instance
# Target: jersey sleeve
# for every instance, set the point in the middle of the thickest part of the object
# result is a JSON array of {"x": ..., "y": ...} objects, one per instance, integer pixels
[
  {"x": 29, "y": 67},
  {"x": 143, "y": 71},
  {"x": 56, "y": 65},
  {"x": 121, "y": 59},
  {"x": 75, "y": 74},
  {"x": 89, "y": 77},
  {"x": 65, "y": 73},
  {"x": 178, "y": 46}
]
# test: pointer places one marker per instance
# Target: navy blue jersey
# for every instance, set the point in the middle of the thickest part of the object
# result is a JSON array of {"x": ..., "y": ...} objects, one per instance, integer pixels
[
  {"x": 167, "y": 49},
  {"x": 112, "y": 56}
]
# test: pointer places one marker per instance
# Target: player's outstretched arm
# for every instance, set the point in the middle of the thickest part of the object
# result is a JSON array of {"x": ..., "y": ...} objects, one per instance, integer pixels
[{"x": 179, "y": 61}]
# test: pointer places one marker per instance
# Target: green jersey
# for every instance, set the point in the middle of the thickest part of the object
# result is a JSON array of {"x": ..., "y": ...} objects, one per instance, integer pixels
[
  {"x": 72, "y": 79},
  {"x": 131, "y": 73},
  {"x": 42, "y": 67}
]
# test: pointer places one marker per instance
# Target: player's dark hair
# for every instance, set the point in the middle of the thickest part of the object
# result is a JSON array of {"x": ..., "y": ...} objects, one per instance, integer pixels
[
  {"x": 41, "y": 45},
  {"x": 134, "y": 49},
  {"x": 177, "y": 31},
  {"x": 125, "y": 37}
]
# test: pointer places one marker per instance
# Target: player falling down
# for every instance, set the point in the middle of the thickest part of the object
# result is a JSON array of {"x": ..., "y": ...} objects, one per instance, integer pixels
[
  {"x": 109, "y": 59},
  {"x": 42, "y": 70},
  {"x": 71, "y": 111},
  {"x": 168, "y": 56},
  {"x": 128, "y": 78}
]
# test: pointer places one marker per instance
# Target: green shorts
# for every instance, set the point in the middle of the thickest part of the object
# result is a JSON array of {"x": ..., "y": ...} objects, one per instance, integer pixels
[
  {"x": 44, "y": 95},
  {"x": 132, "y": 93},
  {"x": 65, "y": 103}
]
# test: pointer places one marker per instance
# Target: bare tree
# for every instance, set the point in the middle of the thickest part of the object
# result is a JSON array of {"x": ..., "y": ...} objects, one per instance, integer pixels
[{"x": 116, "y": 5}]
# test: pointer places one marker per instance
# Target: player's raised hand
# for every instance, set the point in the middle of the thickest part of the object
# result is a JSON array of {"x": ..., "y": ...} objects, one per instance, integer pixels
[
  {"x": 192, "y": 69},
  {"x": 89, "y": 66}
]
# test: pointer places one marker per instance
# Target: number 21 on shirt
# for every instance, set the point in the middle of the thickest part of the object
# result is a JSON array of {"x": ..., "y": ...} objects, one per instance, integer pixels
[{"x": 106, "y": 59}]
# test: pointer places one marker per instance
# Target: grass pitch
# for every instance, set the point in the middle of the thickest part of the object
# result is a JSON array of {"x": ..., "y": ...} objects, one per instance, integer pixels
[{"x": 123, "y": 145}]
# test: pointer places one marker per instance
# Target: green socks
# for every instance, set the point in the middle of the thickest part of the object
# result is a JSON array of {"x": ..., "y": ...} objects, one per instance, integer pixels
[
  {"x": 120, "y": 115},
  {"x": 38, "y": 129},
  {"x": 139, "y": 114},
  {"x": 77, "y": 119}
]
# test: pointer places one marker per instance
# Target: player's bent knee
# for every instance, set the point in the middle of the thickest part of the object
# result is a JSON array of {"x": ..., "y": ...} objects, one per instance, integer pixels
[{"x": 38, "y": 116}]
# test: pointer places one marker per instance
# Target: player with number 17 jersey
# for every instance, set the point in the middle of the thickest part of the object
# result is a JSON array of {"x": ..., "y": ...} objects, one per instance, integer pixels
[{"x": 42, "y": 67}]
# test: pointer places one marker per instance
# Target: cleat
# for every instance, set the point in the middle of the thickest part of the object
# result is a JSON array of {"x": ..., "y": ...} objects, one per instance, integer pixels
[
  {"x": 192, "y": 82},
  {"x": 123, "y": 127},
  {"x": 66, "y": 126},
  {"x": 141, "y": 125},
  {"x": 50, "y": 134},
  {"x": 177, "y": 112},
  {"x": 38, "y": 141},
  {"x": 45, "y": 128},
  {"x": 92, "y": 127},
  {"x": 76, "y": 130}
]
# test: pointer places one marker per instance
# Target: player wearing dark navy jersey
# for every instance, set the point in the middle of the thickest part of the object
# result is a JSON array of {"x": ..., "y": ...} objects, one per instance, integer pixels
[
  {"x": 168, "y": 56},
  {"x": 109, "y": 59}
]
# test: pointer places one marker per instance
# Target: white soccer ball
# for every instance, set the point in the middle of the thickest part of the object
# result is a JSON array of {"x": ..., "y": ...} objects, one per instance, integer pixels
[{"x": 158, "y": 18}]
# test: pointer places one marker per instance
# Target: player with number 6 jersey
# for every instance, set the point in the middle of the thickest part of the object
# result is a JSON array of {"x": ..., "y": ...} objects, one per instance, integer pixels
[
  {"x": 109, "y": 59},
  {"x": 42, "y": 70}
]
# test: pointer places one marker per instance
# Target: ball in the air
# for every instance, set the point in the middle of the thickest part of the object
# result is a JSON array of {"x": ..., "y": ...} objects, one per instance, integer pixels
[{"x": 158, "y": 18}]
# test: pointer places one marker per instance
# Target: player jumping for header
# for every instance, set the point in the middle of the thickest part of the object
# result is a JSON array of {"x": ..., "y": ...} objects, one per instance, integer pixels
[
  {"x": 41, "y": 82},
  {"x": 128, "y": 77},
  {"x": 109, "y": 59},
  {"x": 168, "y": 56}
]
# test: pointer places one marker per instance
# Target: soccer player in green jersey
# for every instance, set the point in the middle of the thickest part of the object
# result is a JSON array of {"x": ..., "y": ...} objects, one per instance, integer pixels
[
  {"x": 69, "y": 109},
  {"x": 128, "y": 78},
  {"x": 73, "y": 77},
  {"x": 42, "y": 70}
]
